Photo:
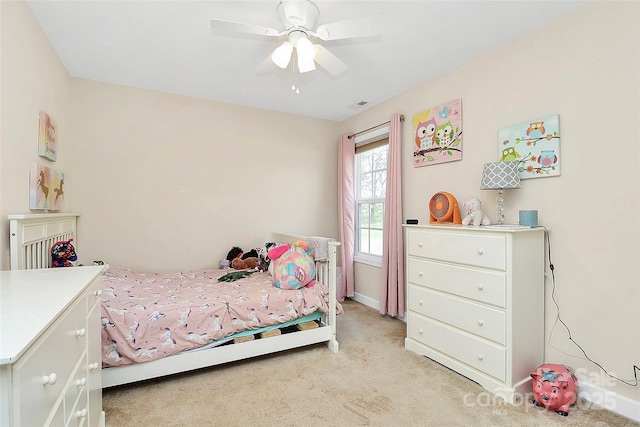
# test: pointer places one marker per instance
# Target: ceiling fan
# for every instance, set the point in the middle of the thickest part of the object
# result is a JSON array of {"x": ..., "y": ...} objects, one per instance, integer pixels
[{"x": 299, "y": 18}]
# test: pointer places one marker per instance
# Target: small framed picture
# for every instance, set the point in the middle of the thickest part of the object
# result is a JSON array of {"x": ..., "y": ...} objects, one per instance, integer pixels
[
  {"x": 46, "y": 188},
  {"x": 39, "y": 186},
  {"x": 47, "y": 145}
]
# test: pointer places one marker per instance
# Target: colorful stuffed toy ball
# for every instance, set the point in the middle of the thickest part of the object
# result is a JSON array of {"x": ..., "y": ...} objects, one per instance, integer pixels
[{"x": 294, "y": 268}]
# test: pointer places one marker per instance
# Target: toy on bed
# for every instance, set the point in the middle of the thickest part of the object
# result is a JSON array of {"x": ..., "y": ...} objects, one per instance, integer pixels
[
  {"x": 475, "y": 215},
  {"x": 263, "y": 256},
  {"x": 243, "y": 264},
  {"x": 237, "y": 259},
  {"x": 293, "y": 266},
  {"x": 62, "y": 253},
  {"x": 235, "y": 275}
]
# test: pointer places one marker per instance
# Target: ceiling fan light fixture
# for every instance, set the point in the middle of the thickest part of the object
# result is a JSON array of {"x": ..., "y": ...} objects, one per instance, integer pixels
[
  {"x": 305, "y": 48},
  {"x": 282, "y": 55},
  {"x": 306, "y": 64},
  {"x": 306, "y": 52}
]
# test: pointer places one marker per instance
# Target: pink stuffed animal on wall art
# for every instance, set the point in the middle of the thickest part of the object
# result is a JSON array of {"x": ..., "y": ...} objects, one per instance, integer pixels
[{"x": 555, "y": 387}]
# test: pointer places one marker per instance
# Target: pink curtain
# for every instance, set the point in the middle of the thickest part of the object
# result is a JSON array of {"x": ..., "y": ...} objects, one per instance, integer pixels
[
  {"x": 392, "y": 290},
  {"x": 346, "y": 212}
]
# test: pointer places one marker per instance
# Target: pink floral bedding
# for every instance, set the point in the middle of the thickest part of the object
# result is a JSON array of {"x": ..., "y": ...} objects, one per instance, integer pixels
[{"x": 150, "y": 316}]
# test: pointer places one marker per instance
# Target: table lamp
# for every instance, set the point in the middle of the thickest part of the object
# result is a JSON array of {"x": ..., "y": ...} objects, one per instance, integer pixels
[{"x": 500, "y": 176}]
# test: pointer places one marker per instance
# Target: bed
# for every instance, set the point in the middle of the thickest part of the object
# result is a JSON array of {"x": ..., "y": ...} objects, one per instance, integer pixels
[{"x": 175, "y": 322}]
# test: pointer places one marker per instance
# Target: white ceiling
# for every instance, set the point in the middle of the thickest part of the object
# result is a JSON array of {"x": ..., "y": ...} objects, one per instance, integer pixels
[{"x": 169, "y": 46}]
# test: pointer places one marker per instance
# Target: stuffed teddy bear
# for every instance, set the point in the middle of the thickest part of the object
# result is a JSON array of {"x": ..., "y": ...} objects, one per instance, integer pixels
[
  {"x": 474, "y": 214},
  {"x": 242, "y": 264},
  {"x": 239, "y": 260},
  {"x": 62, "y": 253}
]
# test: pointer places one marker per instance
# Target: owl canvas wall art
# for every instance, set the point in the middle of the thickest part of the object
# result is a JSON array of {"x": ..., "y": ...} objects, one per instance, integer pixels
[
  {"x": 438, "y": 134},
  {"x": 534, "y": 145}
]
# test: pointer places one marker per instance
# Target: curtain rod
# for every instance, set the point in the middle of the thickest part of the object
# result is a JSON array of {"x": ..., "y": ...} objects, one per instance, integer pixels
[{"x": 373, "y": 127}]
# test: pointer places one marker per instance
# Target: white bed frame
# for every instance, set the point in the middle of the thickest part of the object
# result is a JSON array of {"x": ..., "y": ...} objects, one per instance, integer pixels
[{"x": 33, "y": 234}]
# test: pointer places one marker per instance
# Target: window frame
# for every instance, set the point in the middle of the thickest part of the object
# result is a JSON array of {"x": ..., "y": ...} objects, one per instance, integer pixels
[{"x": 361, "y": 140}]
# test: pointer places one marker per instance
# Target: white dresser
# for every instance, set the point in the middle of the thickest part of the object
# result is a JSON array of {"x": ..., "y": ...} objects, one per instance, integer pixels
[
  {"x": 50, "y": 364},
  {"x": 475, "y": 299}
]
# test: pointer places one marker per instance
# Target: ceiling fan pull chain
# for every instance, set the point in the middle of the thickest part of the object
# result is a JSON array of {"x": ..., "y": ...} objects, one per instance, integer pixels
[{"x": 293, "y": 77}]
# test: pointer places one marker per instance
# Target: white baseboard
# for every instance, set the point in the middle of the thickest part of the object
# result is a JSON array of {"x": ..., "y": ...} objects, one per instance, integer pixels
[
  {"x": 370, "y": 302},
  {"x": 609, "y": 400}
]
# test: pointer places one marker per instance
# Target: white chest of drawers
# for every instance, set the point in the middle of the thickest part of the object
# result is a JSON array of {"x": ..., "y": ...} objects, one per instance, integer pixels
[
  {"x": 475, "y": 299},
  {"x": 50, "y": 366}
]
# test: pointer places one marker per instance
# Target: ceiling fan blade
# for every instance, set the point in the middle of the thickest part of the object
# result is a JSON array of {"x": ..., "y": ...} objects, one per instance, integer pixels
[
  {"x": 219, "y": 24},
  {"x": 329, "y": 61},
  {"x": 360, "y": 27}
]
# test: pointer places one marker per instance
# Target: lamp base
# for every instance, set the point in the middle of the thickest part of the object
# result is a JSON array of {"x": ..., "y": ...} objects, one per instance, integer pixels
[{"x": 500, "y": 207}]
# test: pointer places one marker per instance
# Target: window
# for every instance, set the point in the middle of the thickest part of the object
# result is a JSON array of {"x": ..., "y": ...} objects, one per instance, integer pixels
[{"x": 371, "y": 184}]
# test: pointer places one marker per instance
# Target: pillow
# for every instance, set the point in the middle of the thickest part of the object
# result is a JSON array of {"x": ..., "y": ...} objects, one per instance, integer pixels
[{"x": 294, "y": 268}]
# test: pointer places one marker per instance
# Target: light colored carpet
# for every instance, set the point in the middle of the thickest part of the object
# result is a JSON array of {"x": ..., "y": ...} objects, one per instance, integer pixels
[{"x": 372, "y": 381}]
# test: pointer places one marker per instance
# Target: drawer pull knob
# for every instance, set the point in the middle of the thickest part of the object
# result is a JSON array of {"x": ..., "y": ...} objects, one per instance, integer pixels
[
  {"x": 480, "y": 322},
  {"x": 480, "y": 357},
  {"x": 81, "y": 332},
  {"x": 480, "y": 251},
  {"x": 420, "y": 273},
  {"x": 420, "y": 244},
  {"x": 81, "y": 414},
  {"x": 480, "y": 287},
  {"x": 420, "y": 302},
  {"x": 50, "y": 379},
  {"x": 421, "y": 331},
  {"x": 98, "y": 292},
  {"x": 81, "y": 382},
  {"x": 93, "y": 366}
]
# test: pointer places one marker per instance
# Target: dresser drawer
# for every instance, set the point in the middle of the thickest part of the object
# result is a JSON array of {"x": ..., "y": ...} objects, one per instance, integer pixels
[
  {"x": 94, "y": 294},
  {"x": 54, "y": 356},
  {"x": 464, "y": 248},
  {"x": 94, "y": 364},
  {"x": 468, "y": 349},
  {"x": 485, "y": 286},
  {"x": 77, "y": 389},
  {"x": 77, "y": 415},
  {"x": 482, "y": 320}
]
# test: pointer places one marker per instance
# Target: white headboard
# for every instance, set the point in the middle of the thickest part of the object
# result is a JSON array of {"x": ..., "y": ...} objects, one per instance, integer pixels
[{"x": 32, "y": 235}]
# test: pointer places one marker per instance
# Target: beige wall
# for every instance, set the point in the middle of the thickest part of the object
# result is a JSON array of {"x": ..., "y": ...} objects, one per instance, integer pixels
[
  {"x": 169, "y": 182},
  {"x": 33, "y": 79},
  {"x": 585, "y": 67}
]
